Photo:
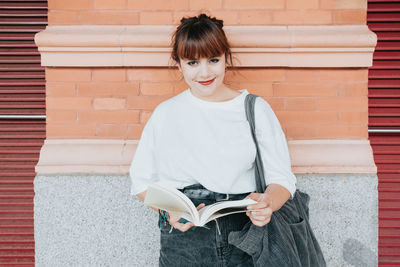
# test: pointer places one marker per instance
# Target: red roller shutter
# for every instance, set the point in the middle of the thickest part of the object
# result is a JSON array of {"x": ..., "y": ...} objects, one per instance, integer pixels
[
  {"x": 22, "y": 126},
  {"x": 384, "y": 123}
]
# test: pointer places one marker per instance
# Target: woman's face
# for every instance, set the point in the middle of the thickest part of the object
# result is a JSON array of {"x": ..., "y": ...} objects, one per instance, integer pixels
[{"x": 204, "y": 76}]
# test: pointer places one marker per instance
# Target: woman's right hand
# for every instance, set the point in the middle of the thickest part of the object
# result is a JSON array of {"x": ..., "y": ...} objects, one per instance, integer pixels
[{"x": 173, "y": 220}]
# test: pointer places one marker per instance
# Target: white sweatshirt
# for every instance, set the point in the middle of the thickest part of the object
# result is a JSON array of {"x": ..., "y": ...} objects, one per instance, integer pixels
[{"x": 188, "y": 140}]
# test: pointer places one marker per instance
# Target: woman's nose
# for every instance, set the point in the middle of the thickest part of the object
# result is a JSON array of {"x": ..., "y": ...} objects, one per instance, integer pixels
[{"x": 204, "y": 70}]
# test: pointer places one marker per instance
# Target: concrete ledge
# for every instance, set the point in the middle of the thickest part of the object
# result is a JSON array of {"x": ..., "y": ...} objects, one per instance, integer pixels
[
  {"x": 332, "y": 156},
  {"x": 83, "y": 220},
  {"x": 253, "y": 46},
  {"x": 113, "y": 156}
]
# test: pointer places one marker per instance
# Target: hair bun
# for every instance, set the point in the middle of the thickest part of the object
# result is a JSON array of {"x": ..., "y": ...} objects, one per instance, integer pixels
[
  {"x": 184, "y": 20},
  {"x": 218, "y": 22}
]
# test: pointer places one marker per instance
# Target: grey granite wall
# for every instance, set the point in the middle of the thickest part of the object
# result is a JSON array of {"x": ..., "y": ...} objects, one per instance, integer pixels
[{"x": 83, "y": 220}]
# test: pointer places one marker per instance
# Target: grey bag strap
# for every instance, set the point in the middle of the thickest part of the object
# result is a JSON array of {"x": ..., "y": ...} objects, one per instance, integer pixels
[{"x": 258, "y": 168}]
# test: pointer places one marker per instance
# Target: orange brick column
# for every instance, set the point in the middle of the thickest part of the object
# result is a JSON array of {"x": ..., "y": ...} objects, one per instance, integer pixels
[{"x": 107, "y": 68}]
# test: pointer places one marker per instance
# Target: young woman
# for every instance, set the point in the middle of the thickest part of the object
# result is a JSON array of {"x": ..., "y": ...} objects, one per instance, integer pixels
[{"x": 200, "y": 142}]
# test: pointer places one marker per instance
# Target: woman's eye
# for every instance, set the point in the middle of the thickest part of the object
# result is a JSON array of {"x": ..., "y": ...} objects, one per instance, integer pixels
[{"x": 191, "y": 63}]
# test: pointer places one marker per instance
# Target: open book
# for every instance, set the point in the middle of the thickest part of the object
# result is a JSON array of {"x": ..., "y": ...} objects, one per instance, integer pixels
[{"x": 162, "y": 196}]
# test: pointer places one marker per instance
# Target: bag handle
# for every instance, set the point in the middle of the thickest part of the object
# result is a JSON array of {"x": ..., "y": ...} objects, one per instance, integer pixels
[{"x": 258, "y": 168}]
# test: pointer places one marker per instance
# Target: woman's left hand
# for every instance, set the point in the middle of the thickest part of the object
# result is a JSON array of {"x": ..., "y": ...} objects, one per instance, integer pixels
[{"x": 260, "y": 213}]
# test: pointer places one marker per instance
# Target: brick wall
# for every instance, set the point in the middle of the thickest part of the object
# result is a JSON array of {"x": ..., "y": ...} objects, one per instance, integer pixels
[
  {"x": 117, "y": 102},
  {"x": 233, "y": 12}
]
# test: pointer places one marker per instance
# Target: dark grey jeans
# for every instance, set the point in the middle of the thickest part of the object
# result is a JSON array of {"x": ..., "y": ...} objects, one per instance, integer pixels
[{"x": 200, "y": 246}]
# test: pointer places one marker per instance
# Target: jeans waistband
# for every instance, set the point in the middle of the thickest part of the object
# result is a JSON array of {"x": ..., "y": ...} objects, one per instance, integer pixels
[{"x": 200, "y": 192}]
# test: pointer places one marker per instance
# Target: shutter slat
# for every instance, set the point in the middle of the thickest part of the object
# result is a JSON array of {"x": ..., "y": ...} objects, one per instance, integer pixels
[
  {"x": 384, "y": 7},
  {"x": 22, "y": 89},
  {"x": 387, "y": 64},
  {"x": 24, "y": 6},
  {"x": 21, "y": 28},
  {"x": 388, "y": 46},
  {"x": 24, "y": 21},
  {"x": 21, "y": 67},
  {"x": 383, "y": 16},
  {"x": 19, "y": 82},
  {"x": 373, "y": 1},
  {"x": 22, "y": 75},
  {"x": 382, "y": 26},
  {"x": 388, "y": 55},
  {"x": 23, "y": 13},
  {"x": 383, "y": 84},
  {"x": 20, "y": 43},
  {"x": 382, "y": 93},
  {"x": 379, "y": 74},
  {"x": 26, "y": 97},
  {"x": 19, "y": 52},
  {"x": 15, "y": 36},
  {"x": 24, "y": 60}
]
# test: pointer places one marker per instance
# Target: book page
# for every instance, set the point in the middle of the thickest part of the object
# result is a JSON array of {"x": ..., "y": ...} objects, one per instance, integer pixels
[
  {"x": 160, "y": 195},
  {"x": 223, "y": 208},
  {"x": 224, "y": 212}
]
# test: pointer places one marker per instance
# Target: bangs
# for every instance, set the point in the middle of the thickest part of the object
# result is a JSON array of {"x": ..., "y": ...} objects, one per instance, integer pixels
[{"x": 201, "y": 42}]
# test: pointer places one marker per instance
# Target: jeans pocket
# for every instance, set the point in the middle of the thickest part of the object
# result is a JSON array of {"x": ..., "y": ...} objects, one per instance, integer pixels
[{"x": 300, "y": 235}]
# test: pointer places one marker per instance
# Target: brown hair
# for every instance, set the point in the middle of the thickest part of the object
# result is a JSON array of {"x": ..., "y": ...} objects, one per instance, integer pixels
[{"x": 198, "y": 37}]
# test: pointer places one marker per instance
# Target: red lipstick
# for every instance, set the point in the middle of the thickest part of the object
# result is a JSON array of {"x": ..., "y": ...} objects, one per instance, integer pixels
[{"x": 207, "y": 82}]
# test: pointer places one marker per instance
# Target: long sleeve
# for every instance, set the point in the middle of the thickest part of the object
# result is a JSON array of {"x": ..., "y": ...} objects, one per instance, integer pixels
[
  {"x": 143, "y": 167},
  {"x": 273, "y": 147}
]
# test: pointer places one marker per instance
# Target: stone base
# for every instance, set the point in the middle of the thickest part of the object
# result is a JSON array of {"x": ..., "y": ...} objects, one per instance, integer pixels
[{"x": 84, "y": 220}]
